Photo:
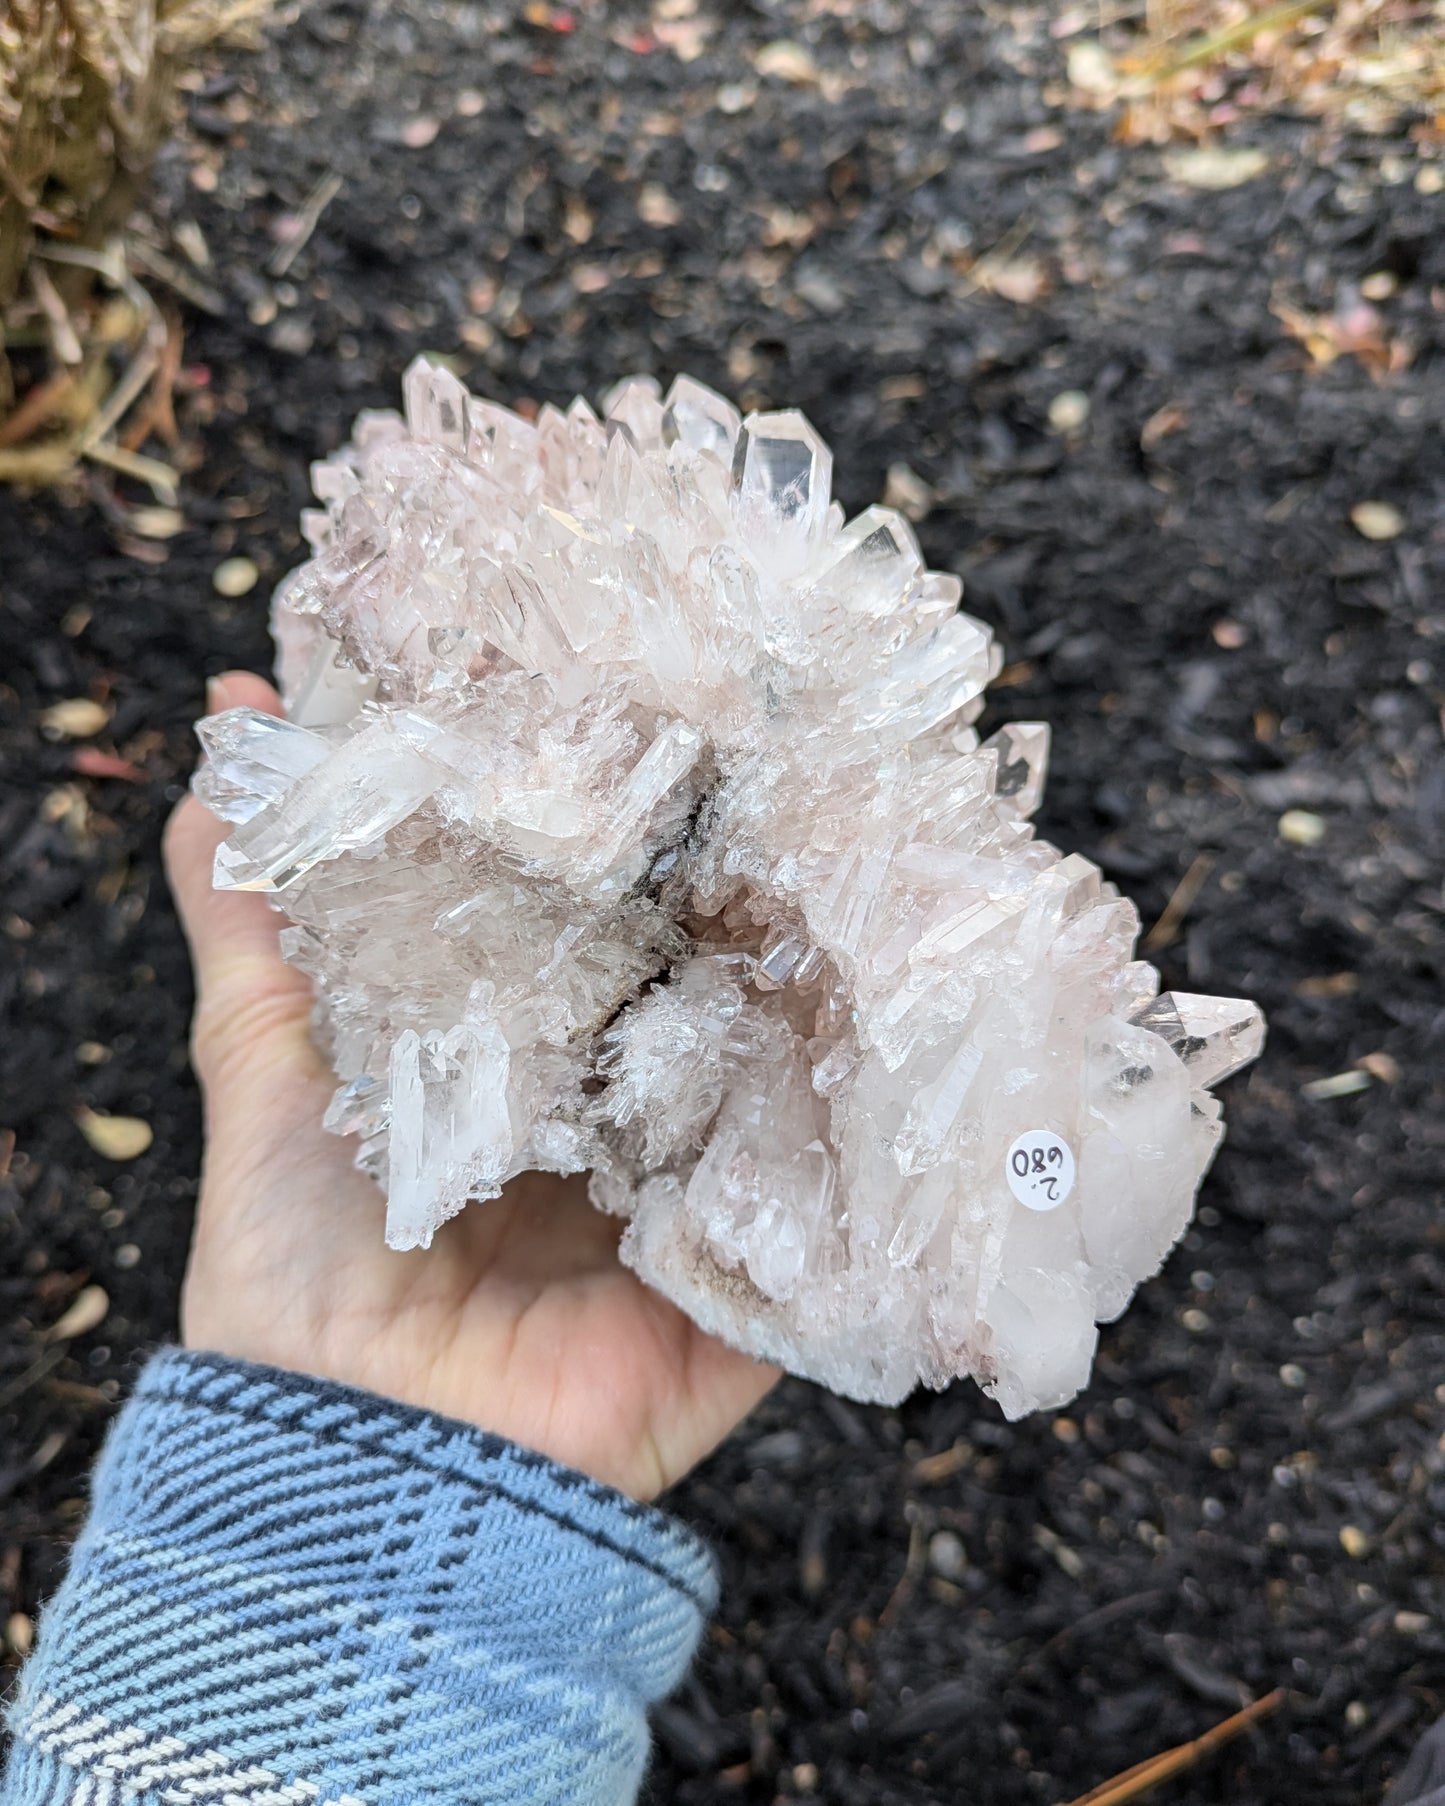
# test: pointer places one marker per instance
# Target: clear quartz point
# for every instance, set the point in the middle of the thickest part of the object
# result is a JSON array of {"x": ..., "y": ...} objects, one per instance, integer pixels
[
  {"x": 252, "y": 759},
  {"x": 367, "y": 787},
  {"x": 1213, "y": 1036},
  {"x": 782, "y": 472},
  {"x": 448, "y": 1117},
  {"x": 694, "y": 417},
  {"x": 1023, "y": 761},
  {"x": 629, "y": 817}
]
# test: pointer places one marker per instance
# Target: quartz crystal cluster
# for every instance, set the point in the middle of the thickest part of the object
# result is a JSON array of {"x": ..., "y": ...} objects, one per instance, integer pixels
[{"x": 629, "y": 818}]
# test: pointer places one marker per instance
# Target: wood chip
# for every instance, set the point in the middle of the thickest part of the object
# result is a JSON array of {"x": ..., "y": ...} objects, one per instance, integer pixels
[
  {"x": 1329, "y": 984},
  {"x": 77, "y": 719},
  {"x": 418, "y": 133},
  {"x": 1377, "y": 520},
  {"x": 1338, "y": 1084},
  {"x": 1092, "y": 70},
  {"x": 656, "y": 207},
  {"x": 1068, "y": 410},
  {"x": 234, "y": 577},
  {"x": 1301, "y": 828},
  {"x": 932, "y": 1470},
  {"x": 906, "y": 491},
  {"x": 787, "y": 61},
  {"x": 1215, "y": 167}
]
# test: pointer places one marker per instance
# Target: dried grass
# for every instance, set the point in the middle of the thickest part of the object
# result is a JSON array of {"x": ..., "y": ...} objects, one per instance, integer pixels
[
  {"x": 88, "y": 91},
  {"x": 1191, "y": 68}
]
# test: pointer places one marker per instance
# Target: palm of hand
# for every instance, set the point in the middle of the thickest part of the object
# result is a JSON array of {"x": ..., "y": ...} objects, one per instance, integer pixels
[{"x": 519, "y": 1318}]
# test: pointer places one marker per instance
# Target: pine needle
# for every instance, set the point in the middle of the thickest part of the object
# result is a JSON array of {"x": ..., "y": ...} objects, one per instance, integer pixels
[{"x": 1135, "y": 1782}]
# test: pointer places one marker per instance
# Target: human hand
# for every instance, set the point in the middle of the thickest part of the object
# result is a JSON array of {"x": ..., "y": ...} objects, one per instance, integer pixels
[{"x": 519, "y": 1318}]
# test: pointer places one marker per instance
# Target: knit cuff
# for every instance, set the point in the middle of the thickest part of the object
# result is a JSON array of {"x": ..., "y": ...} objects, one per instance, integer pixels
[{"x": 292, "y": 1593}]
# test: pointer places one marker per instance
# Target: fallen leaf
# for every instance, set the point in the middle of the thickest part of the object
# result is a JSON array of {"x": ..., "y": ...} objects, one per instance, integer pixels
[
  {"x": 116, "y": 1137},
  {"x": 1022, "y": 281},
  {"x": 86, "y": 1312},
  {"x": 91, "y": 762},
  {"x": 1216, "y": 166},
  {"x": 1352, "y": 330},
  {"x": 76, "y": 719},
  {"x": 1042, "y": 138}
]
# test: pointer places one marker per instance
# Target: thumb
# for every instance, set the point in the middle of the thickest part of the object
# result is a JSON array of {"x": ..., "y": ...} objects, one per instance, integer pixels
[{"x": 249, "y": 1002}]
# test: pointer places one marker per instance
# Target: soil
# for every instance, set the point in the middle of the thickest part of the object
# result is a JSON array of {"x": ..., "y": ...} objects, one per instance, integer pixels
[{"x": 895, "y": 223}]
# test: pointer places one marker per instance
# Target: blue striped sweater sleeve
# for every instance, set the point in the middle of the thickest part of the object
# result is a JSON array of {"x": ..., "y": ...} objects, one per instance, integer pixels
[{"x": 290, "y": 1593}]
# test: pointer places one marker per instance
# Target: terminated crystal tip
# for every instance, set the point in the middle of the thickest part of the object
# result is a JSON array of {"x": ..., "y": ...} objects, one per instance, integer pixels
[{"x": 630, "y": 818}]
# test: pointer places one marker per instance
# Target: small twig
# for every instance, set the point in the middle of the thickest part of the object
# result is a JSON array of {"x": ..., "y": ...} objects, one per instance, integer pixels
[
  {"x": 158, "y": 414},
  {"x": 43, "y": 401},
  {"x": 913, "y": 1566},
  {"x": 63, "y": 341},
  {"x": 160, "y": 477},
  {"x": 94, "y": 442},
  {"x": 1137, "y": 1781},
  {"x": 43, "y": 1364},
  {"x": 307, "y": 219},
  {"x": 1133, "y": 1605},
  {"x": 188, "y": 286},
  {"x": 1166, "y": 929},
  {"x": 137, "y": 373}
]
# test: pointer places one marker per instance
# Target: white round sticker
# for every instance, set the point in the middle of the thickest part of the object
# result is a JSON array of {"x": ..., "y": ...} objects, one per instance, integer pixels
[{"x": 1040, "y": 1169}]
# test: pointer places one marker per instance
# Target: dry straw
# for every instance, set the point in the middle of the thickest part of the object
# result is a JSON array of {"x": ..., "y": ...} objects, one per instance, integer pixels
[
  {"x": 1193, "y": 68},
  {"x": 88, "y": 91}
]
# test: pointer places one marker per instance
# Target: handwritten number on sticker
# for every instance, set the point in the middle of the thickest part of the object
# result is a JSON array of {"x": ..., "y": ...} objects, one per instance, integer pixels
[{"x": 1040, "y": 1169}]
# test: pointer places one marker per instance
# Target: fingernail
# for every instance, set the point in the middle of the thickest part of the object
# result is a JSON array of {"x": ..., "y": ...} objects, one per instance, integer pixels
[{"x": 218, "y": 697}]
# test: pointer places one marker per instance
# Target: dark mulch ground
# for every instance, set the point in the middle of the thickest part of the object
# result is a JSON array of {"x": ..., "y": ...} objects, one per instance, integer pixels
[{"x": 924, "y": 1604}]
